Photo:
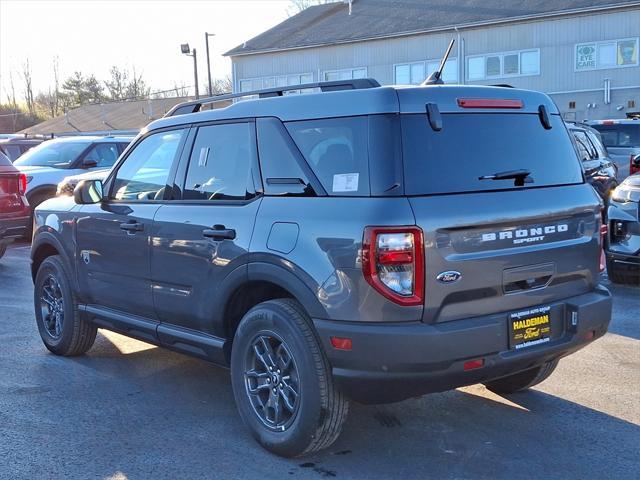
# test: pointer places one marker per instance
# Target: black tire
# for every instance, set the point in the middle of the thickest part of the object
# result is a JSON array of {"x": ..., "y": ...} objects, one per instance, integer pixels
[
  {"x": 71, "y": 335},
  {"x": 316, "y": 420},
  {"x": 522, "y": 380},
  {"x": 619, "y": 274}
]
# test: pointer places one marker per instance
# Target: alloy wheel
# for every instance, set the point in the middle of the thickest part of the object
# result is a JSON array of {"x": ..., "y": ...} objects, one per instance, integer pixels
[
  {"x": 272, "y": 381},
  {"x": 52, "y": 307}
]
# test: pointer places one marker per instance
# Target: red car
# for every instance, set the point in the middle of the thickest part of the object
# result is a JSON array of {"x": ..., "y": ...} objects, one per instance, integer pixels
[{"x": 14, "y": 208}]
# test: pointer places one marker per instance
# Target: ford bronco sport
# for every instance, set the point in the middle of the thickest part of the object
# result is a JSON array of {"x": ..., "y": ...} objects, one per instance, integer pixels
[{"x": 361, "y": 242}]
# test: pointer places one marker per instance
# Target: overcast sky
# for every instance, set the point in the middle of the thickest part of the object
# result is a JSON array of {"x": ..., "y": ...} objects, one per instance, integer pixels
[{"x": 92, "y": 35}]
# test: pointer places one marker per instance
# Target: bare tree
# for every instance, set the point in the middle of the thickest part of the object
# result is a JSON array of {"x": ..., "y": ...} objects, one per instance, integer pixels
[
  {"x": 299, "y": 5},
  {"x": 56, "y": 82},
  {"x": 117, "y": 86},
  {"x": 12, "y": 99},
  {"x": 137, "y": 88},
  {"x": 221, "y": 86},
  {"x": 28, "y": 87}
]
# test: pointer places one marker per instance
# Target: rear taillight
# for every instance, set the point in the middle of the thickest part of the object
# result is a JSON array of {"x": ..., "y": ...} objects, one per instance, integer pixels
[
  {"x": 393, "y": 263},
  {"x": 22, "y": 183},
  {"x": 634, "y": 166}
]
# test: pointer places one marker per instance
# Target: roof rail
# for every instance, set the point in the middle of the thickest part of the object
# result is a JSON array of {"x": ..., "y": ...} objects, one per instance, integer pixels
[{"x": 195, "y": 105}]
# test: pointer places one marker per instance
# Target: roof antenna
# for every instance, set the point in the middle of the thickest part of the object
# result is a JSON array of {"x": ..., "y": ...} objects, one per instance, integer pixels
[{"x": 436, "y": 77}]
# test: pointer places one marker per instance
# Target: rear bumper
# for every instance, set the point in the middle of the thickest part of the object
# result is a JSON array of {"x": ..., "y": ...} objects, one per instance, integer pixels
[
  {"x": 390, "y": 363},
  {"x": 11, "y": 228}
]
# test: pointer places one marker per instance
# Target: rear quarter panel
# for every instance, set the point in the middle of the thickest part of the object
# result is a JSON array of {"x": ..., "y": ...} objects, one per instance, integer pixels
[{"x": 326, "y": 253}]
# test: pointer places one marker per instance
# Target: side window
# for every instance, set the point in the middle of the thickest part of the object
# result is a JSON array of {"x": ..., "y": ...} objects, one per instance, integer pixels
[
  {"x": 145, "y": 172},
  {"x": 281, "y": 172},
  {"x": 104, "y": 154},
  {"x": 336, "y": 149},
  {"x": 597, "y": 143},
  {"x": 122, "y": 147},
  {"x": 13, "y": 151},
  {"x": 584, "y": 146},
  {"x": 221, "y": 162}
]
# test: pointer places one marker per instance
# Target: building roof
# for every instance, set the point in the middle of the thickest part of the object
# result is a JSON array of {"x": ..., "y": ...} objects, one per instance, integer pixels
[
  {"x": 331, "y": 23},
  {"x": 128, "y": 116}
]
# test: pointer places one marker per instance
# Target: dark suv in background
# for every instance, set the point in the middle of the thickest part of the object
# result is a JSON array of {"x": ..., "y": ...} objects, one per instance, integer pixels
[
  {"x": 14, "y": 208},
  {"x": 13, "y": 148},
  {"x": 599, "y": 169},
  {"x": 366, "y": 242}
]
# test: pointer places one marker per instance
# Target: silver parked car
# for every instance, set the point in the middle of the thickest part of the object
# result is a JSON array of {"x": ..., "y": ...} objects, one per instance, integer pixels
[{"x": 622, "y": 139}]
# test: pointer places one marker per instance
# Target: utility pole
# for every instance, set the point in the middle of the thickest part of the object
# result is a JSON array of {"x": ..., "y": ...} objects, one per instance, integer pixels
[
  {"x": 187, "y": 51},
  {"x": 206, "y": 41}
]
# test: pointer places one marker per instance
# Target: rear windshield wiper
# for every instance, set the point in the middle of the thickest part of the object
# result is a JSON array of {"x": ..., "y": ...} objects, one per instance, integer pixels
[{"x": 521, "y": 176}]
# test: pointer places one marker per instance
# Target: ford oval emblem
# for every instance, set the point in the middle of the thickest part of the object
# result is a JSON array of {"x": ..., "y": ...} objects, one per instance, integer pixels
[{"x": 449, "y": 277}]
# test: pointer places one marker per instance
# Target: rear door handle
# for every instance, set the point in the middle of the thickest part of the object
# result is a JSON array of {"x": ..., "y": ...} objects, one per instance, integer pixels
[
  {"x": 132, "y": 227},
  {"x": 219, "y": 232}
]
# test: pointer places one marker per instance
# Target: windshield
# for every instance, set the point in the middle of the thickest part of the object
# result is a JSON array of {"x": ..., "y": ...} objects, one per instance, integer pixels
[
  {"x": 620, "y": 135},
  {"x": 52, "y": 154},
  {"x": 486, "y": 151}
]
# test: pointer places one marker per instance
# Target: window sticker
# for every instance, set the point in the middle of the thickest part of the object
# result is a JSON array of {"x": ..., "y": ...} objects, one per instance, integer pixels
[
  {"x": 345, "y": 182},
  {"x": 204, "y": 155}
]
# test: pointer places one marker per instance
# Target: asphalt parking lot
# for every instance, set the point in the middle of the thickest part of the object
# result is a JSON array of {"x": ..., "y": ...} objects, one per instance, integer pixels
[{"x": 131, "y": 410}]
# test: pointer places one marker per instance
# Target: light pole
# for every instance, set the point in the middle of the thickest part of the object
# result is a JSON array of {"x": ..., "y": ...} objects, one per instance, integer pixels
[
  {"x": 187, "y": 51},
  {"x": 206, "y": 41}
]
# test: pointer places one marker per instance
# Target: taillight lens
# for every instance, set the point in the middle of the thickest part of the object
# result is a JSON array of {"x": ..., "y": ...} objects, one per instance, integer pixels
[
  {"x": 634, "y": 167},
  {"x": 393, "y": 263},
  {"x": 22, "y": 183}
]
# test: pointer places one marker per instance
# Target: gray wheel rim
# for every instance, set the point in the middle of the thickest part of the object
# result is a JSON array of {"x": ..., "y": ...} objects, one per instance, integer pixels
[
  {"x": 52, "y": 306},
  {"x": 271, "y": 380}
]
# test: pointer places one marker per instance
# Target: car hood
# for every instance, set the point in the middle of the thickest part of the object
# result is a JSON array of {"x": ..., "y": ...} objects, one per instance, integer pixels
[
  {"x": 29, "y": 169},
  {"x": 92, "y": 175}
]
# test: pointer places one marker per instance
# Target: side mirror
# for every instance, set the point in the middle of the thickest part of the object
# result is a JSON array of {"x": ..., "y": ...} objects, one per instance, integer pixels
[
  {"x": 88, "y": 192},
  {"x": 89, "y": 163},
  {"x": 634, "y": 164}
]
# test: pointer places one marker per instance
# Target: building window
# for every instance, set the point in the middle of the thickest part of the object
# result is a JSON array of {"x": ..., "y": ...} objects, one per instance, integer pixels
[
  {"x": 259, "y": 83},
  {"x": 507, "y": 64},
  {"x": 609, "y": 54},
  {"x": 572, "y": 105},
  {"x": 345, "y": 74},
  {"x": 415, "y": 73}
]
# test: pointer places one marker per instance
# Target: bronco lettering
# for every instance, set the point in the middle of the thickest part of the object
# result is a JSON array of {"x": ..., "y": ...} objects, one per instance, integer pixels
[{"x": 523, "y": 235}]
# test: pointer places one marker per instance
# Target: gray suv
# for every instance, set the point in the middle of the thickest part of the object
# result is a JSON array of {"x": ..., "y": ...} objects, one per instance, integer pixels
[{"x": 362, "y": 242}]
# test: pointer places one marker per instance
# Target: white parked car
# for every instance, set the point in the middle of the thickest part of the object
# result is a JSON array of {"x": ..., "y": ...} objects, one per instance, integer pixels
[{"x": 51, "y": 161}]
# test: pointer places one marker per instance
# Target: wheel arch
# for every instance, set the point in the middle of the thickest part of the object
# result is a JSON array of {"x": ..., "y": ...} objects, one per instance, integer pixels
[
  {"x": 266, "y": 281},
  {"x": 46, "y": 245}
]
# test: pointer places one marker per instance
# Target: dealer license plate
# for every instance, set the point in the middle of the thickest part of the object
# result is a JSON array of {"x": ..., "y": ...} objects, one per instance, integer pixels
[{"x": 530, "y": 327}]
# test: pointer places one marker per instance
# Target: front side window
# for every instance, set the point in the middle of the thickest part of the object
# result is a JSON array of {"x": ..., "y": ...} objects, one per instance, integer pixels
[
  {"x": 145, "y": 172},
  {"x": 336, "y": 149},
  {"x": 221, "y": 162},
  {"x": 104, "y": 154}
]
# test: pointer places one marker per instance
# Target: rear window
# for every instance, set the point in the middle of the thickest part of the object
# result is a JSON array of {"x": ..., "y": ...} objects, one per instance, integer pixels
[
  {"x": 619, "y": 135},
  {"x": 4, "y": 160},
  {"x": 470, "y": 146},
  {"x": 337, "y": 151}
]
